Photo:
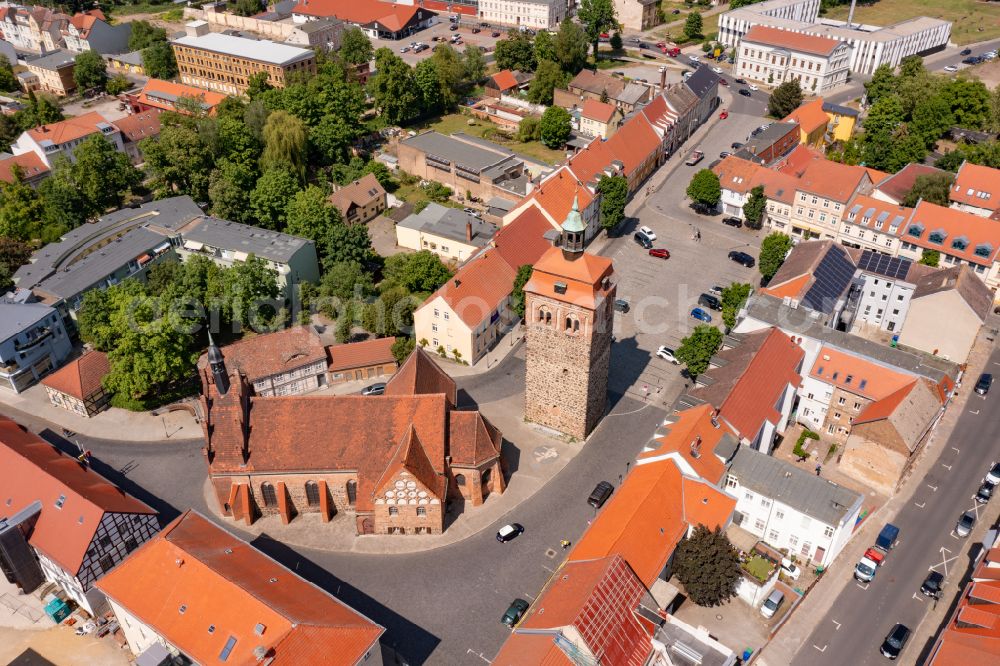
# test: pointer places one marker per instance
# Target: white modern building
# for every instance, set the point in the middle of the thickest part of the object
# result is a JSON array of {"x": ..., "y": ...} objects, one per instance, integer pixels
[
  {"x": 871, "y": 46},
  {"x": 535, "y": 14},
  {"x": 33, "y": 343},
  {"x": 791, "y": 508},
  {"x": 772, "y": 56}
]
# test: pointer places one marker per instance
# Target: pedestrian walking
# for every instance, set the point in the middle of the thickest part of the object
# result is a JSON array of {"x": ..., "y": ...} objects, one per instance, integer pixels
[
  {"x": 819, "y": 468},
  {"x": 564, "y": 543}
]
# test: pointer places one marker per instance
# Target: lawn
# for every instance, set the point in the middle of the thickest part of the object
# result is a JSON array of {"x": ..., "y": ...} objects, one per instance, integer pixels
[
  {"x": 972, "y": 20},
  {"x": 456, "y": 122},
  {"x": 759, "y": 567},
  {"x": 414, "y": 194}
]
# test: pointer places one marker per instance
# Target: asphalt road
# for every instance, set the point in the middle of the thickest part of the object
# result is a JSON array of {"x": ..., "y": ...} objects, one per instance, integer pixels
[{"x": 853, "y": 629}]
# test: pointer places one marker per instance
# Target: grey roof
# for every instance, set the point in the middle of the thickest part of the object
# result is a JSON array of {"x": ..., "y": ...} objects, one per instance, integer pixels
[
  {"x": 839, "y": 109},
  {"x": 960, "y": 278},
  {"x": 813, "y": 495},
  {"x": 317, "y": 25},
  {"x": 632, "y": 94},
  {"x": 54, "y": 60},
  {"x": 223, "y": 234},
  {"x": 15, "y": 317},
  {"x": 771, "y": 311},
  {"x": 671, "y": 634},
  {"x": 703, "y": 82},
  {"x": 501, "y": 204},
  {"x": 261, "y": 50},
  {"x": 459, "y": 153},
  {"x": 132, "y": 58},
  {"x": 450, "y": 223},
  {"x": 768, "y": 137},
  {"x": 84, "y": 255}
]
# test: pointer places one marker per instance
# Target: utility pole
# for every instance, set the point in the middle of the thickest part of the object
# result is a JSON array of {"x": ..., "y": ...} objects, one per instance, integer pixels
[{"x": 850, "y": 15}]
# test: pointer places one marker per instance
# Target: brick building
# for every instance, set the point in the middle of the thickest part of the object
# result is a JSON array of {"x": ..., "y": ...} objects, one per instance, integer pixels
[
  {"x": 391, "y": 462},
  {"x": 569, "y": 317}
]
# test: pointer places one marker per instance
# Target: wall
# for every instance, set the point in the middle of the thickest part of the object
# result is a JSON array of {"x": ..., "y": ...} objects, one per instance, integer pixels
[
  {"x": 402, "y": 514},
  {"x": 923, "y": 330},
  {"x": 452, "y": 333},
  {"x": 871, "y": 463},
  {"x": 276, "y": 31}
]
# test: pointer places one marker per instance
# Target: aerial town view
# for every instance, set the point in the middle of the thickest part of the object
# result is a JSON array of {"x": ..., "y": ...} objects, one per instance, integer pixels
[{"x": 499, "y": 332}]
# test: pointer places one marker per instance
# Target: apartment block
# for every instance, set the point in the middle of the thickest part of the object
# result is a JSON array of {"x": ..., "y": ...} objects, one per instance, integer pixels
[
  {"x": 774, "y": 56},
  {"x": 535, "y": 14}
]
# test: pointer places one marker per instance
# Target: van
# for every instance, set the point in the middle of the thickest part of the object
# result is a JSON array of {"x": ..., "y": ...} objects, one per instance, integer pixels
[
  {"x": 710, "y": 302},
  {"x": 642, "y": 239},
  {"x": 772, "y": 604}
]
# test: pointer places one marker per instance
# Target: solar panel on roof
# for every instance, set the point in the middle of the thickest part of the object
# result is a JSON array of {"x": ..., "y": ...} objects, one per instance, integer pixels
[
  {"x": 896, "y": 268},
  {"x": 832, "y": 277}
]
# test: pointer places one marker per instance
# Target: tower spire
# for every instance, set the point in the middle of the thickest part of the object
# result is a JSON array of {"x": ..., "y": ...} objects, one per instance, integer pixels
[
  {"x": 573, "y": 231},
  {"x": 218, "y": 365}
]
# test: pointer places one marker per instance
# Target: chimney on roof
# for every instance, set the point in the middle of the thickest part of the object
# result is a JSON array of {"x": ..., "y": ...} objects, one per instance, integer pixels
[
  {"x": 715, "y": 418},
  {"x": 179, "y": 561},
  {"x": 696, "y": 447},
  {"x": 468, "y": 231},
  {"x": 458, "y": 283}
]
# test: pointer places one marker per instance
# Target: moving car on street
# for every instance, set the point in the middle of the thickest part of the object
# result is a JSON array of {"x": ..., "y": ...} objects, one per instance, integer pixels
[
  {"x": 745, "y": 92},
  {"x": 509, "y": 532}
]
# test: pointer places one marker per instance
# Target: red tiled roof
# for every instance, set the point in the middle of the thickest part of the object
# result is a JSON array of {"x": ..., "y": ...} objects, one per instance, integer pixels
[
  {"x": 977, "y": 186},
  {"x": 555, "y": 194},
  {"x": 795, "y": 162},
  {"x": 224, "y": 582},
  {"x": 704, "y": 504},
  {"x": 504, "y": 80},
  {"x": 832, "y": 180},
  {"x": 411, "y": 457},
  {"x": 68, "y": 130},
  {"x": 810, "y": 116},
  {"x": 522, "y": 241},
  {"x": 392, "y": 16},
  {"x": 473, "y": 439},
  {"x": 139, "y": 126},
  {"x": 898, "y": 185},
  {"x": 259, "y": 356},
  {"x": 360, "y": 193},
  {"x": 81, "y": 377},
  {"x": 477, "y": 290},
  {"x": 534, "y": 649},
  {"x": 582, "y": 276},
  {"x": 793, "y": 41},
  {"x": 777, "y": 186},
  {"x": 162, "y": 95},
  {"x": 867, "y": 378},
  {"x": 883, "y": 408},
  {"x": 693, "y": 428},
  {"x": 955, "y": 224},
  {"x": 737, "y": 174},
  {"x": 633, "y": 143},
  {"x": 420, "y": 375},
  {"x": 34, "y": 470},
  {"x": 876, "y": 207},
  {"x": 596, "y": 110},
  {"x": 30, "y": 163},
  {"x": 361, "y": 354}
]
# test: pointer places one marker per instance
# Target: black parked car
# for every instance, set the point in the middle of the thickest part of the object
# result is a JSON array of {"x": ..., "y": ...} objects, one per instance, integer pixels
[
  {"x": 621, "y": 305},
  {"x": 985, "y": 492},
  {"x": 732, "y": 222},
  {"x": 643, "y": 240},
  {"x": 931, "y": 586},
  {"x": 984, "y": 383},
  {"x": 600, "y": 494},
  {"x": 970, "y": 61},
  {"x": 895, "y": 641},
  {"x": 966, "y": 52},
  {"x": 710, "y": 301},
  {"x": 515, "y": 612},
  {"x": 702, "y": 208},
  {"x": 736, "y": 145},
  {"x": 746, "y": 92},
  {"x": 742, "y": 258}
]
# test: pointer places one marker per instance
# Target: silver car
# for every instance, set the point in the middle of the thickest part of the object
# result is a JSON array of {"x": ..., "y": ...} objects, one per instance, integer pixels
[{"x": 965, "y": 524}]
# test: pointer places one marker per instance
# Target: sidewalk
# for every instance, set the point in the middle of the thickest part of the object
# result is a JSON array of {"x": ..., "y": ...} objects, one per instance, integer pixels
[
  {"x": 505, "y": 345},
  {"x": 786, "y": 644},
  {"x": 112, "y": 424}
]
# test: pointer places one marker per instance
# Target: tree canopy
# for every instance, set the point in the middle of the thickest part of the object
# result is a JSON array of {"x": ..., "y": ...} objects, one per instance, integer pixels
[
  {"x": 614, "y": 196},
  {"x": 697, "y": 349},
  {"x": 705, "y": 188},
  {"x": 934, "y": 187},
  {"x": 555, "y": 127},
  {"x": 597, "y": 16},
  {"x": 516, "y": 52},
  {"x": 90, "y": 72},
  {"x": 708, "y": 566},
  {"x": 755, "y": 208},
  {"x": 521, "y": 279},
  {"x": 786, "y": 98},
  {"x": 773, "y": 249},
  {"x": 733, "y": 298}
]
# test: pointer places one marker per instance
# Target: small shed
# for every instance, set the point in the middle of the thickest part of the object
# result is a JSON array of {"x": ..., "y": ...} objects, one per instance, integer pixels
[{"x": 77, "y": 386}]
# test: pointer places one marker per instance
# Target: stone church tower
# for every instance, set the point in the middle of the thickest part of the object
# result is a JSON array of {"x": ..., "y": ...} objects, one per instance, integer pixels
[{"x": 569, "y": 316}]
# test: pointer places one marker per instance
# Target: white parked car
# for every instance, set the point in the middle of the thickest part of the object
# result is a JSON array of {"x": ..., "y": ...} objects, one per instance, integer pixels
[
  {"x": 753, "y": 87},
  {"x": 951, "y": 68},
  {"x": 717, "y": 70},
  {"x": 789, "y": 569},
  {"x": 694, "y": 58},
  {"x": 667, "y": 354},
  {"x": 716, "y": 291},
  {"x": 649, "y": 232}
]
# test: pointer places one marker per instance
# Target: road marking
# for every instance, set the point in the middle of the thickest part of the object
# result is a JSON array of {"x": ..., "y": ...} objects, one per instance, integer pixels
[
  {"x": 973, "y": 412},
  {"x": 821, "y": 649},
  {"x": 917, "y": 598},
  {"x": 836, "y": 623},
  {"x": 955, "y": 536},
  {"x": 478, "y": 654},
  {"x": 933, "y": 488},
  {"x": 529, "y": 596},
  {"x": 947, "y": 467},
  {"x": 547, "y": 569},
  {"x": 865, "y": 586},
  {"x": 921, "y": 505},
  {"x": 955, "y": 449}
]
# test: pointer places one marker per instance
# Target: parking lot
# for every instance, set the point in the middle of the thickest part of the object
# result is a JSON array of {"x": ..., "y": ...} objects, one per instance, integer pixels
[{"x": 441, "y": 29}]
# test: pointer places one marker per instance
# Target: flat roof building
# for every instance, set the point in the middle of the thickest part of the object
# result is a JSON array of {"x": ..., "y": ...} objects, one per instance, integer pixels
[{"x": 448, "y": 232}]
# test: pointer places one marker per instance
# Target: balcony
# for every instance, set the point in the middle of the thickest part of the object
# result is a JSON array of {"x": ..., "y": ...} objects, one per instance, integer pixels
[{"x": 37, "y": 337}]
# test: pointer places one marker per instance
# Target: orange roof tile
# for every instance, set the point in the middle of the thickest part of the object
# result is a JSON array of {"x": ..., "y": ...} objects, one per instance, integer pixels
[
  {"x": 195, "y": 575},
  {"x": 139, "y": 126},
  {"x": 361, "y": 354},
  {"x": 555, "y": 194},
  {"x": 777, "y": 186},
  {"x": 884, "y": 407},
  {"x": 870, "y": 211},
  {"x": 876, "y": 175},
  {"x": 832, "y": 180},
  {"x": 692, "y": 429},
  {"x": 534, "y": 649},
  {"x": 34, "y": 470},
  {"x": 81, "y": 377},
  {"x": 900, "y": 183},
  {"x": 596, "y": 110},
  {"x": 360, "y": 193},
  {"x": 858, "y": 375},
  {"x": 522, "y": 241},
  {"x": 793, "y": 41},
  {"x": 473, "y": 440},
  {"x": 163, "y": 95},
  {"x": 70, "y": 129},
  {"x": 956, "y": 225},
  {"x": 795, "y": 162},
  {"x": 420, "y": 375},
  {"x": 810, "y": 116},
  {"x": 477, "y": 290},
  {"x": 411, "y": 457},
  {"x": 705, "y": 505},
  {"x": 737, "y": 174},
  {"x": 582, "y": 276},
  {"x": 30, "y": 164},
  {"x": 793, "y": 288},
  {"x": 633, "y": 143},
  {"x": 977, "y": 186},
  {"x": 391, "y": 15},
  {"x": 504, "y": 80}
]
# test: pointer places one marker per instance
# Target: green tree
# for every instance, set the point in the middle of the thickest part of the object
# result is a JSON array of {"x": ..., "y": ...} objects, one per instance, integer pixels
[
  {"x": 521, "y": 279},
  {"x": 882, "y": 83},
  {"x": 951, "y": 160},
  {"x": 733, "y": 298},
  {"x": 614, "y": 196},
  {"x": 158, "y": 61},
  {"x": 94, "y": 315},
  {"x": 229, "y": 191},
  {"x": 102, "y": 175},
  {"x": 698, "y": 348},
  {"x": 773, "y": 249},
  {"x": 346, "y": 280},
  {"x": 451, "y": 73},
  {"x": 402, "y": 348},
  {"x": 63, "y": 207},
  {"x": 309, "y": 214},
  {"x": 284, "y": 144},
  {"x": 428, "y": 82},
  {"x": 116, "y": 85},
  {"x": 20, "y": 211},
  {"x": 931, "y": 118},
  {"x": 178, "y": 161},
  {"x": 548, "y": 77},
  {"x": 271, "y": 196},
  {"x": 247, "y": 7},
  {"x": 786, "y": 98},
  {"x": 515, "y": 52},
  {"x": 381, "y": 173},
  {"x": 355, "y": 47},
  {"x": 474, "y": 63},
  {"x": 420, "y": 272},
  {"x": 331, "y": 140},
  {"x": 145, "y": 34},
  {"x": 930, "y": 258},
  {"x": 251, "y": 291},
  {"x": 570, "y": 47},
  {"x": 13, "y": 255},
  {"x": 755, "y": 207},
  {"x": 616, "y": 41},
  {"x": 545, "y": 48},
  {"x": 90, "y": 72},
  {"x": 349, "y": 242},
  {"x": 911, "y": 66},
  {"x": 693, "y": 26},
  {"x": 258, "y": 84},
  {"x": 969, "y": 101},
  {"x": 934, "y": 187},
  {"x": 708, "y": 566},
  {"x": 555, "y": 127},
  {"x": 529, "y": 129},
  {"x": 597, "y": 16},
  {"x": 393, "y": 88},
  {"x": 8, "y": 82},
  {"x": 704, "y": 188},
  {"x": 391, "y": 313}
]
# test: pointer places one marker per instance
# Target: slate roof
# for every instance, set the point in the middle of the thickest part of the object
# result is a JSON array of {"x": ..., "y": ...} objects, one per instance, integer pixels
[{"x": 703, "y": 82}]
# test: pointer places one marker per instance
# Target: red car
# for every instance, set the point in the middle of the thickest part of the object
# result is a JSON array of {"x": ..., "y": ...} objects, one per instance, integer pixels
[
  {"x": 724, "y": 82},
  {"x": 724, "y": 114},
  {"x": 659, "y": 253},
  {"x": 660, "y": 45}
]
